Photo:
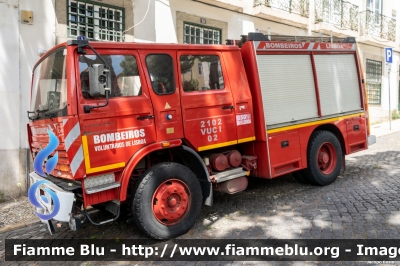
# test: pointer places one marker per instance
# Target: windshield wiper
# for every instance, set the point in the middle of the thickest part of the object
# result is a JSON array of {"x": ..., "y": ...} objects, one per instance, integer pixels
[
  {"x": 38, "y": 112},
  {"x": 32, "y": 118},
  {"x": 52, "y": 113},
  {"x": 37, "y": 116}
]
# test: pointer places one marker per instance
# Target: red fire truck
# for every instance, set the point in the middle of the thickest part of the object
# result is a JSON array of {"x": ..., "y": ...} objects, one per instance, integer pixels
[{"x": 160, "y": 126}]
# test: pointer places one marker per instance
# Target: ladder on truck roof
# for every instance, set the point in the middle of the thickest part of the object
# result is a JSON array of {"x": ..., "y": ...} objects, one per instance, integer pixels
[{"x": 258, "y": 36}]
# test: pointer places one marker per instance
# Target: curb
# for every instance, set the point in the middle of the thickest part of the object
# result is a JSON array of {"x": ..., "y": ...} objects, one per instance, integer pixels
[
  {"x": 378, "y": 134},
  {"x": 16, "y": 226}
]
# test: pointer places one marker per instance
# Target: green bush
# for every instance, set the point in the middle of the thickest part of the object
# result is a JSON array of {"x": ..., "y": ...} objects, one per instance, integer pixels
[
  {"x": 192, "y": 85},
  {"x": 395, "y": 114}
]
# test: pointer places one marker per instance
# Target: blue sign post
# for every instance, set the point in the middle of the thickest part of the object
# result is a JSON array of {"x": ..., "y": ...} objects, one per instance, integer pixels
[
  {"x": 389, "y": 61},
  {"x": 389, "y": 55}
]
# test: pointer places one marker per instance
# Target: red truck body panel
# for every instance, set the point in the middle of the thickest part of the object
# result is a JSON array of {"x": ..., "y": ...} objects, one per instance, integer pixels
[{"x": 280, "y": 160}]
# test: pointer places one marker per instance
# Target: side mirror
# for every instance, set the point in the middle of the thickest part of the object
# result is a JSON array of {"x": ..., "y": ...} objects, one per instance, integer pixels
[{"x": 99, "y": 80}]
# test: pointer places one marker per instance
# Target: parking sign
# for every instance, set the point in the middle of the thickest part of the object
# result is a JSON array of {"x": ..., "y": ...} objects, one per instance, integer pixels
[{"x": 389, "y": 55}]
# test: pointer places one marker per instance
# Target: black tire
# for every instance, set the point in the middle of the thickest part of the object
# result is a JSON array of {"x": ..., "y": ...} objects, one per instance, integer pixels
[
  {"x": 323, "y": 146},
  {"x": 148, "y": 198},
  {"x": 301, "y": 177}
]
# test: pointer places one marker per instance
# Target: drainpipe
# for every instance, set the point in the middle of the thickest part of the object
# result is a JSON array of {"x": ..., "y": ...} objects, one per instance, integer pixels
[{"x": 27, "y": 169}]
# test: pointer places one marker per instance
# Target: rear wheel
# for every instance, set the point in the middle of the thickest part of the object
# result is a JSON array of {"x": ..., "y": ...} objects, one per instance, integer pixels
[
  {"x": 324, "y": 158},
  {"x": 167, "y": 201}
]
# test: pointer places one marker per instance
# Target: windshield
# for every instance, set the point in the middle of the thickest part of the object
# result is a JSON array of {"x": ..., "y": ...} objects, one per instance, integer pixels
[{"x": 49, "y": 92}]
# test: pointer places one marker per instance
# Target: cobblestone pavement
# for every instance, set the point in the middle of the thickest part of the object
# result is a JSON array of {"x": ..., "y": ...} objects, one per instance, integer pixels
[
  {"x": 363, "y": 203},
  {"x": 17, "y": 211}
]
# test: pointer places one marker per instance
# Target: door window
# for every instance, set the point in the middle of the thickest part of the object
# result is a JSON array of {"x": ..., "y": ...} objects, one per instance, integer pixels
[
  {"x": 201, "y": 73},
  {"x": 125, "y": 79},
  {"x": 161, "y": 73}
]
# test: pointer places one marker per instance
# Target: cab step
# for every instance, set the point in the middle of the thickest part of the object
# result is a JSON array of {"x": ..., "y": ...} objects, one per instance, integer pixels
[
  {"x": 100, "y": 188},
  {"x": 229, "y": 174}
]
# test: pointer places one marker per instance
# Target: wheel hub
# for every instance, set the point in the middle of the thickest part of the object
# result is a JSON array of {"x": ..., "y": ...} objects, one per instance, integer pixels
[
  {"x": 326, "y": 158},
  {"x": 171, "y": 202},
  {"x": 323, "y": 157}
]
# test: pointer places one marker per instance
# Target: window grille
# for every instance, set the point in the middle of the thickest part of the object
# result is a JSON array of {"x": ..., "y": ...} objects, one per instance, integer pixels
[
  {"x": 374, "y": 81},
  {"x": 96, "y": 21},
  {"x": 197, "y": 34}
]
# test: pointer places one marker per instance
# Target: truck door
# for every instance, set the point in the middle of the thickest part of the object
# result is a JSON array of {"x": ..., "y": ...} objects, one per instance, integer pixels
[
  {"x": 161, "y": 77},
  {"x": 113, "y": 133},
  {"x": 207, "y": 102}
]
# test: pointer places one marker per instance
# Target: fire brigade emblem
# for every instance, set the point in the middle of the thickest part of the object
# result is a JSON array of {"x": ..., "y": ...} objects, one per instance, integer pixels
[
  {"x": 48, "y": 202},
  {"x": 45, "y": 199},
  {"x": 44, "y": 153}
]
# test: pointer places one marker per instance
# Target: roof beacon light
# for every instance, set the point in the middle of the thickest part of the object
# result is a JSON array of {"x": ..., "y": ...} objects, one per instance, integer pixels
[
  {"x": 81, "y": 38},
  {"x": 41, "y": 52}
]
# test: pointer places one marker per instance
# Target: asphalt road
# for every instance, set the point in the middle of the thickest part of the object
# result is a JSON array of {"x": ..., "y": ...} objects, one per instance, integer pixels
[{"x": 362, "y": 204}]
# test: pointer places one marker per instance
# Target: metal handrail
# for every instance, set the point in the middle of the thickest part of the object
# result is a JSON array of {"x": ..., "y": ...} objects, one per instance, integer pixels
[
  {"x": 300, "y": 7},
  {"x": 378, "y": 25},
  {"x": 337, "y": 12}
]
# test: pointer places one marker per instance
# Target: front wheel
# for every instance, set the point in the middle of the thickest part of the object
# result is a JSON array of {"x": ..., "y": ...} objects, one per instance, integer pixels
[
  {"x": 167, "y": 201},
  {"x": 324, "y": 158}
]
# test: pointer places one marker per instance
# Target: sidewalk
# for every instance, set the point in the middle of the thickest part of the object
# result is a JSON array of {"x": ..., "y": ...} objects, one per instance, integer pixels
[
  {"x": 19, "y": 212},
  {"x": 384, "y": 128}
]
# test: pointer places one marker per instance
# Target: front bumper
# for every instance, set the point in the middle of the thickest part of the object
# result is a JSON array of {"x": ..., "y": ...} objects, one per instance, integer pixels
[{"x": 50, "y": 201}]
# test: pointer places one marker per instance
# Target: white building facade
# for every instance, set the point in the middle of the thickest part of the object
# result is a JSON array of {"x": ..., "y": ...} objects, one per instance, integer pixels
[{"x": 29, "y": 25}]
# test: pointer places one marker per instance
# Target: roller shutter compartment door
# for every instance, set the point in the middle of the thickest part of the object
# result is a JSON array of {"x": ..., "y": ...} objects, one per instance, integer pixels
[
  {"x": 338, "y": 85},
  {"x": 287, "y": 87}
]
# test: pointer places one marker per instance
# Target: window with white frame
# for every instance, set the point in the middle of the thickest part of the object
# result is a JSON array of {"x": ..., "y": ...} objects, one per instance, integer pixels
[
  {"x": 198, "y": 34},
  {"x": 375, "y": 6},
  {"x": 95, "y": 20},
  {"x": 332, "y": 11},
  {"x": 375, "y": 18},
  {"x": 374, "y": 81}
]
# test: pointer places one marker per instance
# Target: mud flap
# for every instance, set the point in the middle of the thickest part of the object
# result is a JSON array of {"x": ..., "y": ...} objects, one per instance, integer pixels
[
  {"x": 50, "y": 226},
  {"x": 75, "y": 223},
  {"x": 371, "y": 140}
]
